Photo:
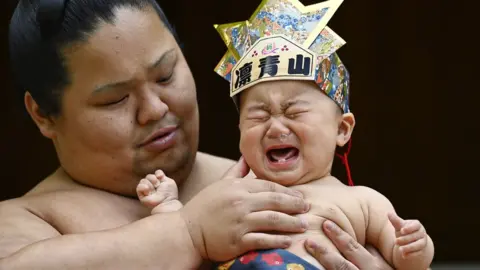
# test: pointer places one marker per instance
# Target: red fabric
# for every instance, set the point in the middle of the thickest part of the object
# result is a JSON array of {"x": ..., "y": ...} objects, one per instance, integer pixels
[{"x": 344, "y": 158}]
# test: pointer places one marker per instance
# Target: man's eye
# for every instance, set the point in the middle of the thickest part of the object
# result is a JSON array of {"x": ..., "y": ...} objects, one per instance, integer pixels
[
  {"x": 116, "y": 101},
  {"x": 165, "y": 79}
]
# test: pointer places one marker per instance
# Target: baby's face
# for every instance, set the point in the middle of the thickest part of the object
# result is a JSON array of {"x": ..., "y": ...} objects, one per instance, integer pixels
[{"x": 289, "y": 131}]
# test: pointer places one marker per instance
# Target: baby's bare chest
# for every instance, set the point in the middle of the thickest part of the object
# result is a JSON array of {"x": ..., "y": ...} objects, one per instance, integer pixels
[{"x": 337, "y": 204}]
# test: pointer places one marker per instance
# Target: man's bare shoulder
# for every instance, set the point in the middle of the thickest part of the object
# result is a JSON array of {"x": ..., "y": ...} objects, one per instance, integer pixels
[
  {"x": 20, "y": 226},
  {"x": 214, "y": 165},
  {"x": 222, "y": 161},
  {"x": 207, "y": 170},
  {"x": 22, "y": 219},
  {"x": 73, "y": 208}
]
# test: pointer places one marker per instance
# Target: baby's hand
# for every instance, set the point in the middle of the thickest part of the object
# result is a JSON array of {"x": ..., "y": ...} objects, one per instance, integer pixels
[{"x": 411, "y": 235}]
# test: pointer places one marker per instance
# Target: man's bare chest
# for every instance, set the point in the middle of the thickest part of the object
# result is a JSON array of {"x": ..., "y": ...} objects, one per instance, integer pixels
[{"x": 78, "y": 212}]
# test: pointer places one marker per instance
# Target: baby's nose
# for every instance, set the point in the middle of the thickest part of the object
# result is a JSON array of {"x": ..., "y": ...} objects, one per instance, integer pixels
[{"x": 277, "y": 130}]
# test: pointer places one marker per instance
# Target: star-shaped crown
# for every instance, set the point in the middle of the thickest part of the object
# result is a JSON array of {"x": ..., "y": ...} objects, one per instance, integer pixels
[{"x": 284, "y": 39}]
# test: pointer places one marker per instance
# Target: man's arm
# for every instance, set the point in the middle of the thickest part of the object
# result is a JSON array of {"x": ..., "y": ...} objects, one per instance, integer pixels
[{"x": 156, "y": 242}]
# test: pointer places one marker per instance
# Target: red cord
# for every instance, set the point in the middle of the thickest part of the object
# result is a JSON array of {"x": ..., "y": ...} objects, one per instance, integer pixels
[{"x": 344, "y": 159}]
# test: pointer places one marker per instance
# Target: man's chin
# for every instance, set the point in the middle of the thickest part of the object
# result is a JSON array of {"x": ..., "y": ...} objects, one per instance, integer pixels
[{"x": 173, "y": 163}]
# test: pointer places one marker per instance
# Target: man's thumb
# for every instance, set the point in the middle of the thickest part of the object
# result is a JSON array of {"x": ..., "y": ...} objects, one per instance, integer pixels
[{"x": 239, "y": 170}]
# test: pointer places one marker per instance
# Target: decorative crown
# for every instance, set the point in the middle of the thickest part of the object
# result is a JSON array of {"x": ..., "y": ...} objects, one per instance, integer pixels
[{"x": 285, "y": 40}]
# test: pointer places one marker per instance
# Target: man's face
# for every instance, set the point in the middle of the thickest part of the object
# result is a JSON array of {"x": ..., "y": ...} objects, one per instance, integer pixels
[{"x": 131, "y": 107}]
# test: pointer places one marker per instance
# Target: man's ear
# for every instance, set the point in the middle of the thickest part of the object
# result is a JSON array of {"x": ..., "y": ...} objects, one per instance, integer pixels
[
  {"x": 345, "y": 129},
  {"x": 43, "y": 122}
]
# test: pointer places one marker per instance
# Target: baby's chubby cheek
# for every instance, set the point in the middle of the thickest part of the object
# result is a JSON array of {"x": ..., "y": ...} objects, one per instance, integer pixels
[
  {"x": 252, "y": 152},
  {"x": 248, "y": 147}
]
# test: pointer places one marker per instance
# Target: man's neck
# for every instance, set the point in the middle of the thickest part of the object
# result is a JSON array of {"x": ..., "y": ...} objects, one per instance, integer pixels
[{"x": 58, "y": 180}]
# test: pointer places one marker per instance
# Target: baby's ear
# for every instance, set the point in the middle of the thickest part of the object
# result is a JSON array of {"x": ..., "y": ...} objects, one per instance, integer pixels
[{"x": 345, "y": 129}]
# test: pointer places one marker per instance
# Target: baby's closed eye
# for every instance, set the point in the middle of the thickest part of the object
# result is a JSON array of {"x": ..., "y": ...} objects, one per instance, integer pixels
[
  {"x": 295, "y": 112},
  {"x": 258, "y": 116}
]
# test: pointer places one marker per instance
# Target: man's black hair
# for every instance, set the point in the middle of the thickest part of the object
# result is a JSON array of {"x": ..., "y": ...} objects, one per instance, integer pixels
[{"x": 39, "y": 31}]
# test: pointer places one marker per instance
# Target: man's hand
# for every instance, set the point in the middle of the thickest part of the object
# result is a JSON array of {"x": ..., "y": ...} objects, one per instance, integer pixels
[
  {"x": 355, "y": 256},
  {"x": 234, "y": 215}
]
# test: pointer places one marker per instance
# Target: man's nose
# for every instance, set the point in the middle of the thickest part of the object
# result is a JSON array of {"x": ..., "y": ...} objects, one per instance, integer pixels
[
  {"x": 151, "y": 108},
  {"x": 277, "y": 128}
]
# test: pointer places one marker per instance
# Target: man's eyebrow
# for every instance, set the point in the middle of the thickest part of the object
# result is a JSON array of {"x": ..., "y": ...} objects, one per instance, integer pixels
[
  {"x": 162, "y": 58},
  {"x": 110, "y": 86},
  {"x": 155, "y": 64}
]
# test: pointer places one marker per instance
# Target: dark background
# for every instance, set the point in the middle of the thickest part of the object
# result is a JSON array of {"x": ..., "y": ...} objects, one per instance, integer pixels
[{"x": 414, "y": 94}]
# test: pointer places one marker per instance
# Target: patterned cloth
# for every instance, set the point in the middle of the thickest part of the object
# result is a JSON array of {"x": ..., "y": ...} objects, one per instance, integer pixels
[{"x": 276, "y": 259}]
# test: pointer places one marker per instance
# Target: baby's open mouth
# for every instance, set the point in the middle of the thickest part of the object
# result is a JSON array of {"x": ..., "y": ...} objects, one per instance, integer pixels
[{"x": 280, "y": 155}]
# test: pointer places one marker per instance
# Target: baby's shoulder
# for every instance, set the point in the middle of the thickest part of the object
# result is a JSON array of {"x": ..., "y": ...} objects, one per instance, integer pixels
[
  {"x": 366, "y": 193},
  {"x": 341, "y": 193},
  {"x": 371, "y": 199},
  {"x": 334, "y": 187}
]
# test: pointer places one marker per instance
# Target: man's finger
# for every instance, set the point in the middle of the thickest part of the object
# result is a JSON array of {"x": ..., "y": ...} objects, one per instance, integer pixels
[
  {"x": 378, "y": 259},
  {"x": 373, "y": 251},
  {"x": 351, "y": 249},
  {"x": 239, "y": 170},
  {"x": 259, "y": 185},
  {"x": 255, "y": 241},
  {"x": 270, "y": 221},
  {"x": 330, "y": 260},
  {"x": 252, "y": 175},
  {"x": 289, "y": 203}
]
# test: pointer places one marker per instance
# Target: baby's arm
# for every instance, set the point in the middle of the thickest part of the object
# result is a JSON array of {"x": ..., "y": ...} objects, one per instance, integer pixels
[
  {"x": 413, "y": 246},
  {"x": 409, "y": 248},
  {"x": 159, "y": 192}
]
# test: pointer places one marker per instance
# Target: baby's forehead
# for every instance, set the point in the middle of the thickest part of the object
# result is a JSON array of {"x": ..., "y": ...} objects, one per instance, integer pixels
[{"x": 281, "y": 91}]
